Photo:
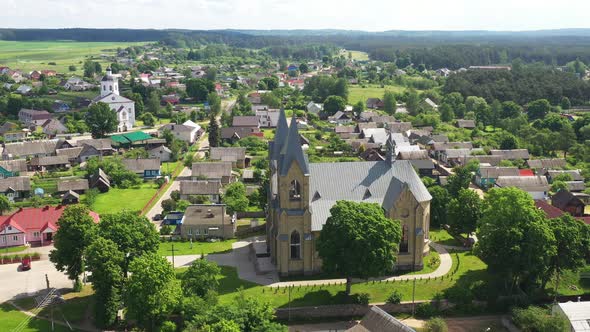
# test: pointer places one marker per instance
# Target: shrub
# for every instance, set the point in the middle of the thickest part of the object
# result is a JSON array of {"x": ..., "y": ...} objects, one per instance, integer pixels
[
  {"x": 436, "y": 324},
  {"x": 360, "y": 298},
  {"x": 425, "y": 310},
  {"x": 165, "y": 230},
  {"x": 168, "y": 326},
  {"x": 160, "y": 182},
  {"x": 175, "y": 195},
  {"x": 395, "y": 297},
  {"x": 538, "y": 319},
  {"x": 77, "y": 285},
  {"x": 459, "y": 295}
]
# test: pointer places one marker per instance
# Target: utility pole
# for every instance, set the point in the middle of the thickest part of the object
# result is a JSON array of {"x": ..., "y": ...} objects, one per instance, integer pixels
[{"x": 173, "y": 250}]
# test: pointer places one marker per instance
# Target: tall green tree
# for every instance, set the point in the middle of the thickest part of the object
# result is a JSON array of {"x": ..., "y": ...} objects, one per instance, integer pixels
[
  {"x": 333, "y": 104},
  {"x": 389, "y": 102},
  {"x": 514, "y": 240},
  {"x": 460, "y": 179},
  {"x": 214, "y": 131},
  {"x": 572, "y": 240},
  {"x": 438, "y": 205},
  {"x": 152, "y": 291},
  {"x": 153, "y": 103},
  {"x": 214, "y": 103},
  {"x": 200, "y": 278},
  {"x": 358, "y": 108},
  {"x": 538, "y": 109},
  {"x": 464, "y": 211},
  {"x": 134, "y": 235},
  {"x": 358, "y": 240},
  {"x": 101, "y": 120},
  {"x": 235, "y": 197},
  {"x": 75, "y": 233},
  {"x": 412, "y": 102},
  {"x": 5, "y": 204},
  {"x": 446, "y": 113},
  {"x": 104, "y": 261}
]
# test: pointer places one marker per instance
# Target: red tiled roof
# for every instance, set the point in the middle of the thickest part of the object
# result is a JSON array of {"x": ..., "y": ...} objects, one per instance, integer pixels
[
  {"x": 526, "y": 172},
  {"x": 37, "y": 219},
  {"x": 550, "y": 210}
]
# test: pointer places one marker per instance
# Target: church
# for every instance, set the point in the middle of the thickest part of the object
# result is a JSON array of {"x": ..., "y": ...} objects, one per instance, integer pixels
[
  {"x": 301, "y": 195},
  {"x": 109, "y": 94}
]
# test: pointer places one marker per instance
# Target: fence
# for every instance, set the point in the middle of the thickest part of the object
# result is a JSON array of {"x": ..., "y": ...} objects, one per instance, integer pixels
[{"x": 161, "y": 190}]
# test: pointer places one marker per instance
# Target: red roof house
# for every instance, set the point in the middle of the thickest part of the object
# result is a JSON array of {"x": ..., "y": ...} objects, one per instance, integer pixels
[
  {"x": 552, "y": 212},
  {"x": 32, "y": 225},
  {"x": 526, "y": 172}
]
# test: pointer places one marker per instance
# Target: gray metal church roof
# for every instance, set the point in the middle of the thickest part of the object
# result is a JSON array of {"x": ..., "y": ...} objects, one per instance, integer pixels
[{"x": 374, "y": 182}]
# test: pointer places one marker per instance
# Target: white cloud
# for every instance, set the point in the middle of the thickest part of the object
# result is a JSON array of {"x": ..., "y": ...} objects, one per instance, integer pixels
[{"x": 373, "y": 15}]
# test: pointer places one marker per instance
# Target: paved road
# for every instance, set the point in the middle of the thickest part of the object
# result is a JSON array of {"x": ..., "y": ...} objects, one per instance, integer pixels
[
  {"x": 184, "y": 174},
  {"x": 15, "y": 283}
]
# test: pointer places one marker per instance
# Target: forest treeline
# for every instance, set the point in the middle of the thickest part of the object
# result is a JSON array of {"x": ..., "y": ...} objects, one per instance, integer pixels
[{"x": 434, "y": 49}]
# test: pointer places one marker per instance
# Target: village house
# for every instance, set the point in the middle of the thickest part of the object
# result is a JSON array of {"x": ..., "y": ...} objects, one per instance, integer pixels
[
  {"x": 514, "y": 154},
  {"x": 236, "y": 155},
  {"x": 575, "y": 186},
  {"x": 161, "y": 152},
  {"x": 340, "y": 118},
  {"x": 268, "y": 118},
  {"x": 537, "y": 186},
  {"x": 76, "y": 185},
  {"x": 436, "y": 149},
  {"x": 398, "y": 127},
  {"x": 234, "y": 134},
  {"x": 73, "y": 154},
  {"x": 15, "y": 136},
  {"x": 576, "y": 313},
  {"x": 76, "y": 84},
  {"x": 145, "y": 168},
  {"x": 8, "y": 127},
  {"x": 378, "y": 320},
  {"x": 103, "y": 146},
  {"x": 566, "y": 201},
  {"x": 49, "y": 163},
  {"x": 302, "y": 193},
  {"x": 541, "y": 166},
  {"x": 100, "y": 181},
  {"x": 314, "y": 108},
  {"x": 70, "y": 197},
  {"x": 53, "y": 127},
  {"x": 420, "y": 160},
  {"x": 29, "y": 149},
  {"x": 374, "y": 103},
  {"x": 182, "y": 132},
  {"x": 220, "y": 171},
  {"x": 12, "y": 167},
  {"x": 486, "y": 177},
  {"x": 211, "y": 189},
  {"x": 60, "y": 106},
  {"x": 32, "y": 226},
  {"x": 574, "y": 174},
  {"x": 33, "y": 117},
  {"x": 24, "y": 90},
  {"x": 453, "y": 157},
  {"x": 205, "y": 221},
  {"x": 15, "y": 188},
  {"x": 249, "y": 121},
  {"x": 466, "y": 124}
]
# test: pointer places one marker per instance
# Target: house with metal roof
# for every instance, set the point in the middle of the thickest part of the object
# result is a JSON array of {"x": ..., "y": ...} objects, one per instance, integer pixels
[
  {"x": 148, "y": 168},
  {"x": 377, "y": 320},
  {"x": 577, "y": 313},
  {"x": 15, "y": 188},
  {"x": 221, "y": 171},
  {"x": 537, "y": 186},
  {"x": 236, "y": 155},
  {"x": 302, "y": 194},
  {"x": 203, "y": 221},
  {"x": 486, "y": 177},
  {"x": 211, "y": 189}
]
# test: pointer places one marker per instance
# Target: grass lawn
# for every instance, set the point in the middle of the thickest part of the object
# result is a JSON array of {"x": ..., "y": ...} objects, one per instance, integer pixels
[
  {"x": 470, "y": 269},
  {"x": 357, "y": 93},
  {"x": 184, "y": 248},
  {"x": 5, "y": 250},
  {"x": 10, "y": 318},
  {"x": 116, "y": 200},
  {"x": 268, "y": 133},
  {"x": 32, "y": 55},
  {"x": 441, "y": 236}
]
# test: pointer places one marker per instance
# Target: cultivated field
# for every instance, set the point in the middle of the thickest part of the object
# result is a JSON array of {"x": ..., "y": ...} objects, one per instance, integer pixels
[
  {"x": 29, "y": 56},
  {"x": 357, "y": 93}
]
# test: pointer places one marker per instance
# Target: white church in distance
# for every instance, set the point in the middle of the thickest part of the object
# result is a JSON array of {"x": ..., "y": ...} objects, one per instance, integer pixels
[{"x": 109, "y": 94}]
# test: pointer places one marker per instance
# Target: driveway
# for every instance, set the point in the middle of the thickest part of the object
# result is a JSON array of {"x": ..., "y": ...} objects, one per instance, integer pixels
[{"x": 15, "y": 283}]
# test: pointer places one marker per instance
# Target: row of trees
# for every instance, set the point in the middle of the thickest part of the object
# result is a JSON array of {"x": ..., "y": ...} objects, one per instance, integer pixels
[{"x": 121, "y": 254}]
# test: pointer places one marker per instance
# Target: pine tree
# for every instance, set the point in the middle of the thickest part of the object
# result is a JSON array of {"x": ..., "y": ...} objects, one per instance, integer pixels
[{"x": 214, "y": 132}]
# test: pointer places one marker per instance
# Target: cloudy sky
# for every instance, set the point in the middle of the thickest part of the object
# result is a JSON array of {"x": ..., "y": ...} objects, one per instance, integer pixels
[{"x": 371, "y": 15}]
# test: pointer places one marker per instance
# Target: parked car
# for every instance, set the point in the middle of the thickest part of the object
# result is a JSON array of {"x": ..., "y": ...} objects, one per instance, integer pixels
[
  {"x": 158, "y": 217},
  {"x": 26, "y": 264}
]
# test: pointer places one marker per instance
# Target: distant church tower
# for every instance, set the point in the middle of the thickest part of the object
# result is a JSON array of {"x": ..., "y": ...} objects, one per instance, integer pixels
[{"x": 109, "y": 84}]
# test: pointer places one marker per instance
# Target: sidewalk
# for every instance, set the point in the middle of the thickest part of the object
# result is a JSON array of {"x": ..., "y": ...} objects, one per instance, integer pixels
[{"x": 445, "y": 266}]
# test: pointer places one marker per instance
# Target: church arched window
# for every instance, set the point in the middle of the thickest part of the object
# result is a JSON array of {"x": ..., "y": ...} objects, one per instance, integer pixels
[
  {"x": 295, "y": 190},
  {"x": 110, "y": 88},
  {"x": 403, "y": 246},
  {"x": 295, "y": 245}
]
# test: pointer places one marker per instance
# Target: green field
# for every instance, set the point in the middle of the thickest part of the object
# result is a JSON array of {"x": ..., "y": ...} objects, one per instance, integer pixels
[
  {"x": 357, "y": 93},
  {"x": 29, "y": 56},
  {"x": 358, "y": 55},
  {"x": 116, "y": 200}
]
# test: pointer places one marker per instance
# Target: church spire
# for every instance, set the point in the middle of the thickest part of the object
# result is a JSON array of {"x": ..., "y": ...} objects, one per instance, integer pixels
[
  {"x": 280, "y": 135},
  {"x": 292, "y": 151},
  {"x": 391, "y": 154}
]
